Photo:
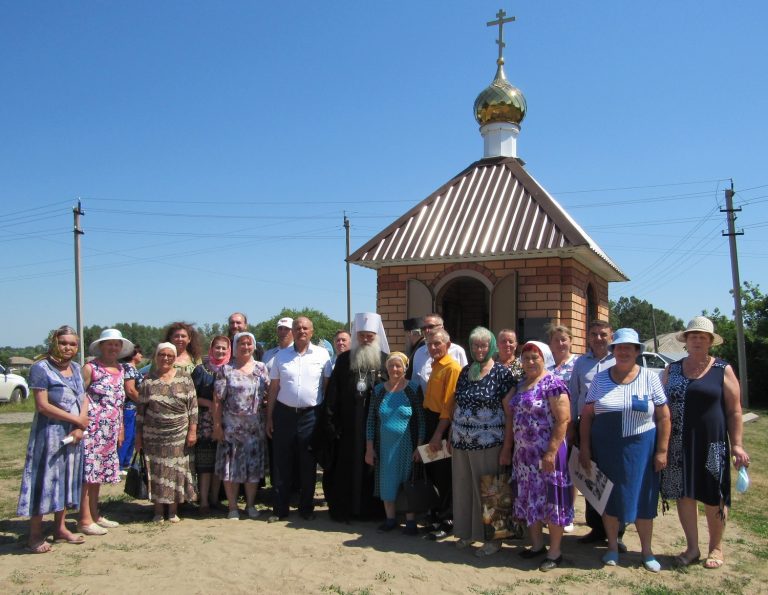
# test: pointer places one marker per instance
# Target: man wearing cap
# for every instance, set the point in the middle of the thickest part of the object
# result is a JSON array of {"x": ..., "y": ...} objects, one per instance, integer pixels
[
  {"x": 299, "y": 376},
  {"x": 422, "y": 362},
  {"x": 284, "y": 339},
  {"x": 597, "y": 359},
  {"x": 348, "y": 483}
]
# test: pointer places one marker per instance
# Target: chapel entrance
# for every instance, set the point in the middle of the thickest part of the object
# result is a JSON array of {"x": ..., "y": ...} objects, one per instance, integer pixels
[{"x": 464, "y": 303}]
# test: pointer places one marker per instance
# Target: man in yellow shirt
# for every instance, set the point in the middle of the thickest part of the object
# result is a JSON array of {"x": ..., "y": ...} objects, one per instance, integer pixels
[{"x": 438, "y": 412}]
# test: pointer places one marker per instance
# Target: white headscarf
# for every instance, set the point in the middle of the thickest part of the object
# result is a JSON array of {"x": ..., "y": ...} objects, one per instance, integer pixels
[
  {"x": 546, "y": 353},
  {"x": 369, "y": 322}
]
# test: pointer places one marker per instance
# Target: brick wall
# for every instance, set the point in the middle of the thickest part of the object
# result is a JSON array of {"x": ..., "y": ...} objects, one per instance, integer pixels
[{"x": 554, "y": 288}]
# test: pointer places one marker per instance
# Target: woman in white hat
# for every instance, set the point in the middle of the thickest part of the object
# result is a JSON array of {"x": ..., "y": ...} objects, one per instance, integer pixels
[
  {"x": 704, "y": 399},
  {"x": 103, "y": 380}
]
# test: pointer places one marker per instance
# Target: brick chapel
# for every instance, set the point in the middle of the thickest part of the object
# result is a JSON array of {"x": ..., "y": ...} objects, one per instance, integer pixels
[{"x": 491, "y": 246}]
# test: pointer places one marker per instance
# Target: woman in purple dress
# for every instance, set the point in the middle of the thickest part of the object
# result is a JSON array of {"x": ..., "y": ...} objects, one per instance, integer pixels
[
  {"x": 103, "y": 379},
  {"x": 53, "y": 470},
  {"x": 540, "y": 412}
]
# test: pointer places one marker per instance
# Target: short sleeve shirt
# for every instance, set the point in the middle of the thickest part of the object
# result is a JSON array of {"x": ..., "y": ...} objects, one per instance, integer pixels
[{"x": 301, "y": 375}]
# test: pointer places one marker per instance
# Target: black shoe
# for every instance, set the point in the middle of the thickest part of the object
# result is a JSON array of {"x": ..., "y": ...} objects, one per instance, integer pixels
[
  {"x": 308, "y": 516},
  {"x": 592, "y": 537},
  {"x": 529, "y": 553},
  {"x": 387, "y": 526},
  {"x": 410, "y": 530},
  {"x": 550, "y": 564},
  {"x": 622, "y": 547}
]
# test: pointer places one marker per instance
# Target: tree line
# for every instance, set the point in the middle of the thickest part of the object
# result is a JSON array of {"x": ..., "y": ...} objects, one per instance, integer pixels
[{"x": 630, "y": 312}]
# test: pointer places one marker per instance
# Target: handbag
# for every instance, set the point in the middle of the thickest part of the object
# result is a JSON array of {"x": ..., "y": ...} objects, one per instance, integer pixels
[
  {"x": 496, "y": 499},
  {"x": 137, "y": 479},
  {"x": 417, "y": 494}
]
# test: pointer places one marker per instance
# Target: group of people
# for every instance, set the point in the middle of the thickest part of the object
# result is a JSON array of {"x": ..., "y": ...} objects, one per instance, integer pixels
[{"x": 361, "y": 412}]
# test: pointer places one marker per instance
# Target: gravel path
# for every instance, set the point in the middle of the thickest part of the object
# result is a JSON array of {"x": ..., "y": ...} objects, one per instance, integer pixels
[{"x": 16, "y": 418}]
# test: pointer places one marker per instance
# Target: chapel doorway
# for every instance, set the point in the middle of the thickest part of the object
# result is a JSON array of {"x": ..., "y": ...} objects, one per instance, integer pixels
[{"x": 464, "y": 303}]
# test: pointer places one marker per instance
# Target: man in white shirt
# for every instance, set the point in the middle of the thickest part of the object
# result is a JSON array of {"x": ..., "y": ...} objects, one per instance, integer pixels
[
  {"x": 299, "y": 376},
  {"x": 422, "y": 362}
]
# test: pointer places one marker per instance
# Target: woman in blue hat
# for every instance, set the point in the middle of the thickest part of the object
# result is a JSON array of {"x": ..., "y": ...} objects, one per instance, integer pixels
[{"x": 625, "y": 430}]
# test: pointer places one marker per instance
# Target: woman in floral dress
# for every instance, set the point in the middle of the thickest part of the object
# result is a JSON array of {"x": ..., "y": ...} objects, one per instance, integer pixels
[
  {"x": 477, "y": 434},
  {"x": 166, "y": 429},
  {"x": 238, "y": 424},
  {"x": 540, "y": 412},
  {"x": 103, "y": 379},
  {"x": 53, "y": 472},
  {"x": 204, "y": 377}
]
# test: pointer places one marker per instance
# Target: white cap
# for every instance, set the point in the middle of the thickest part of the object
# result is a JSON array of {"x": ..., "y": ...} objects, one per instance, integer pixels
[{"x": 285, "y": 322}]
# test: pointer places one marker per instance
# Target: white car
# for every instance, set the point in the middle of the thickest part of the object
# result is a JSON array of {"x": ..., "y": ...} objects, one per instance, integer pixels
[
  {"x": 13, "y": 388},
  {"x": 655, "y": 362}
]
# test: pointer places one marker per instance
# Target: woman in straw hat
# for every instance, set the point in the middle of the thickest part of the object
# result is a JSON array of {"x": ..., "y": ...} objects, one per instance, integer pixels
[
  {"x": 103, "y": 379},
  {"x": 704, "y": 399}
]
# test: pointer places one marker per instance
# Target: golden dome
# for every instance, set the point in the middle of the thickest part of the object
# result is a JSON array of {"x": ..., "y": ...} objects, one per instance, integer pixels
[{"x": 500, "y": 101}]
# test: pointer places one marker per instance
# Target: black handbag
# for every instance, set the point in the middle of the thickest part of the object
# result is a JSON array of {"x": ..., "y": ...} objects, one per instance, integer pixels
[
  {"x": 137, "y": 480},
  {"x": 417, "y": 494}
]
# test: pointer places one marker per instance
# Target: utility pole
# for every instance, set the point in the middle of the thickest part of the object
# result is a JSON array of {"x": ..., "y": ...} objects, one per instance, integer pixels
[
  {"x": 732, "y": 233},
  {"x": 77, "y": 211},
  {"x": 349, "y": 280},
  {"x": 655, "y": 334}
]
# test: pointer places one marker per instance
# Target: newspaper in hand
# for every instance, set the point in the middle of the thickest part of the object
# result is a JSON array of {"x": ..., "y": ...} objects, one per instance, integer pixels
[{"x": 430, "y": 457}]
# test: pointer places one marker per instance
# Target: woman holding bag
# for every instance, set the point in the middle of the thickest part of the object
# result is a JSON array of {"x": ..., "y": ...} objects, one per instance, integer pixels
[{"x": 477, "y": 435}]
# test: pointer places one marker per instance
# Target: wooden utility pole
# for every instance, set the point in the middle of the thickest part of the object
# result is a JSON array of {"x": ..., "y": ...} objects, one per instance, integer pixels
[{"x": 732, "y": 233}]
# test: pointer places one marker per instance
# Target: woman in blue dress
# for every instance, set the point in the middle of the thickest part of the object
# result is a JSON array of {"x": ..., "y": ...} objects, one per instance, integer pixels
[
  {"x": 395, "y": 428},
  {"x": 53, "y": 470},
  {"x": 625, "y": 429}
]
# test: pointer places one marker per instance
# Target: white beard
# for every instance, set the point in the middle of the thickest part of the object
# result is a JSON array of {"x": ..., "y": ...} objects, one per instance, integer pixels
[{"x": 366, "y": 357}]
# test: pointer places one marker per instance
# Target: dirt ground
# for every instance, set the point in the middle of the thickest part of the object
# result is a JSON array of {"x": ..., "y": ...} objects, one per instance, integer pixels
[{"x": 202, "y": 555}]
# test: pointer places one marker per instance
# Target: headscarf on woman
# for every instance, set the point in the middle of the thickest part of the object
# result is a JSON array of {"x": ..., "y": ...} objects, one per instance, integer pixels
[
  {"x": 53, "y": 345},
  {"x": 401, "y": 356},
  {"x": 214, "y": 363},
  {"x": 476, "y": 367},
  {"x": 239, "y": 336},
  {"x": 544, "y": 351}
]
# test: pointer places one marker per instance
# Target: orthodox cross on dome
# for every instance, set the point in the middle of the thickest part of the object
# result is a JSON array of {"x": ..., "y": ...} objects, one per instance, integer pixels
[{"x": 500, "y": 20}]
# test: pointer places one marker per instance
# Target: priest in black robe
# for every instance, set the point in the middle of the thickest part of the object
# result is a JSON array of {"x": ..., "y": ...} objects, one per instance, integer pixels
[{"x": 348, "y": 483}]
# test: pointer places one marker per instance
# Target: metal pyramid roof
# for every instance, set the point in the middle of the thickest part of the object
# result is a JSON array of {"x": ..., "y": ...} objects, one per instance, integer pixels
[{"x": 492, "y": 210}]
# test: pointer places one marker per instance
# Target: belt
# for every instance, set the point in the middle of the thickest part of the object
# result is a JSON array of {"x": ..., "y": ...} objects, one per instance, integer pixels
[{"x": 295, "y": 409}]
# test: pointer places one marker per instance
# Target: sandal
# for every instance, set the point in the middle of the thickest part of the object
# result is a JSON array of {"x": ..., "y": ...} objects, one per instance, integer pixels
[
  {"x": 682, "y": 561},
  {"x": 39, "y": 548},
  {"x": 92, "y": 529},
  {"x": 714, "y": 559},
  {"x": 174, "y": 519},
  {"x": 611, "y": 558},
  {"x": 651, "y": 564},
  {"x": 158, "y": 518},
  {"x": 73, "y": 540}
]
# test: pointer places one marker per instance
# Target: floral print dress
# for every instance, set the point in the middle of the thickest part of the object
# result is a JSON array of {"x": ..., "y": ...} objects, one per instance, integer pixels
[
  {"x": 105, "y": 414},
  {"x": 540, "y": 496},
  {"x": 241, "y": 455}
]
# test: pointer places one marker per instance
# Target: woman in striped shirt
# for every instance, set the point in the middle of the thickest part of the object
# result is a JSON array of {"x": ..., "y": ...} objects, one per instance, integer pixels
[{"x": 625, "y": 429}]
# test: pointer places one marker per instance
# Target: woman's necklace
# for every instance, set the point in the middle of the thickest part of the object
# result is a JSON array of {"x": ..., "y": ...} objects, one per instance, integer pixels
[
  {"x": 396, "y": 386},
  {"x": 699, "y": 369}
]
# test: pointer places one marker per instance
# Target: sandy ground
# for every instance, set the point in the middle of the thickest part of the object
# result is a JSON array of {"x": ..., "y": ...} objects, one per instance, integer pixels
[{"x": 203, "y": 555}]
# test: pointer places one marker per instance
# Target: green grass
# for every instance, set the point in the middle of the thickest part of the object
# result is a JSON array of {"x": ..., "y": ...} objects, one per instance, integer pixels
[{"x": 23, "y": 406}]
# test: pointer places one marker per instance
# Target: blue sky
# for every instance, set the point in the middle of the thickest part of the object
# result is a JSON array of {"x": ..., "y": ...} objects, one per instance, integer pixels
[{"x": 216, "y": 146}]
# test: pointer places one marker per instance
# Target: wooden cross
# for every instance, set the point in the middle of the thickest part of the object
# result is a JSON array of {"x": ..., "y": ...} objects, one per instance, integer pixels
[{"x": 500, "y": 20}]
